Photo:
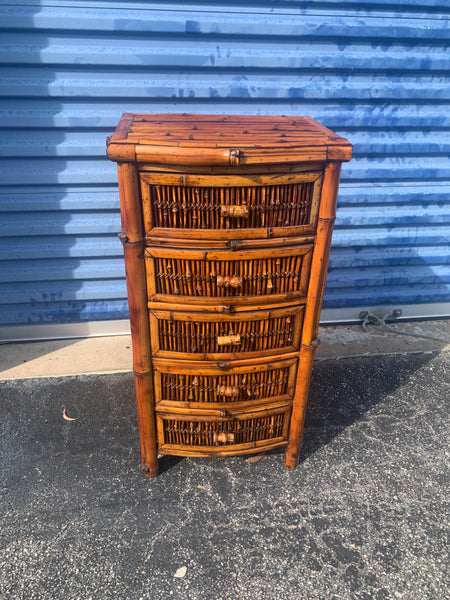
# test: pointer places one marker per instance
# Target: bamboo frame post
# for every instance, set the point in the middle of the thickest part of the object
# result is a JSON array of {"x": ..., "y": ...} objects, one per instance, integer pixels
[
  {"x": 319, "y": 267},
  {"x": 133, "y": 242}
]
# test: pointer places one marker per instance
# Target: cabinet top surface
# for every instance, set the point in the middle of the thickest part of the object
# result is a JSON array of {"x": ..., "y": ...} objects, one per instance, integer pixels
[{"x": 141, "y": 137}]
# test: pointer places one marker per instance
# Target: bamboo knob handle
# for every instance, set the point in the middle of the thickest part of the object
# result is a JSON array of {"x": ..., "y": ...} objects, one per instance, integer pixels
[
  {"x": 234, "y": 211},
  {"x": 225, "y": 340},
  {"x": 226, "y": 282},
  {"x": 229, "y": 391},
  {"x": 223, "y": 437},
  {"x": 235, "y": 156}
]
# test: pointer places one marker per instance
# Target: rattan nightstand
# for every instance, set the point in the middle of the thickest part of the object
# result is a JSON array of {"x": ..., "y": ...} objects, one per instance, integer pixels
[{"x": 226, "y": 227}]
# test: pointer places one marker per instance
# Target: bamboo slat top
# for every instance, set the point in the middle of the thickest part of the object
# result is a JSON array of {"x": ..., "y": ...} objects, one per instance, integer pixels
[{"x": 224, "y": 139}]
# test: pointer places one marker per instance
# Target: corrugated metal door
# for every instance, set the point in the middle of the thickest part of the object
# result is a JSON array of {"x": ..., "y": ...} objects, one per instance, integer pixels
[{"x": 375, "y": 72}]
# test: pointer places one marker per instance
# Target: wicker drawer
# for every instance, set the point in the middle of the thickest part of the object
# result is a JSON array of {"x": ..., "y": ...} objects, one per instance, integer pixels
[
  {"x": 235, "y": 277},
  {"x": 203, "y": 435},
  {"x": 230, "y": 206},
  {"x": 194, "y": 335},
  {"x": 223, "y": 388}
]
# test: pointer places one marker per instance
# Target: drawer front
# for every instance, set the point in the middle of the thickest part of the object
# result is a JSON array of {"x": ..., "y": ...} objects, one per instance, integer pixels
[
  {"x": 202, "y": 434},
  {"x": 194, "y": 335},
  {"x": 184, "y": 388},
  {"x": 236, "y": 277},
  {"x": 208, "y": 207}
]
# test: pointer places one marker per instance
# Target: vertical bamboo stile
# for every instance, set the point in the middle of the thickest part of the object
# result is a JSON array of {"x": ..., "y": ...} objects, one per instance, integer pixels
[
  {"x": 132, "y": 240},
  {"x": 319, "y": 267}
]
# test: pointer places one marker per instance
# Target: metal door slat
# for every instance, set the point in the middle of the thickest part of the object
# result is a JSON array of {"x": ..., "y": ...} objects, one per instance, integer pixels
[{"x": 375, "y": 72}]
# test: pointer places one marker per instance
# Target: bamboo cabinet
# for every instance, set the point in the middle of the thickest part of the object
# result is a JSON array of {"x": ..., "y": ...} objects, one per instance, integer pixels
[{"x": 226, "y": 227}]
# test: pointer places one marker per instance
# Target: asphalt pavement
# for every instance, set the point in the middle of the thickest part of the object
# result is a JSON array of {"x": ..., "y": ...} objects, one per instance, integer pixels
[{"x": 364, "y": 515}]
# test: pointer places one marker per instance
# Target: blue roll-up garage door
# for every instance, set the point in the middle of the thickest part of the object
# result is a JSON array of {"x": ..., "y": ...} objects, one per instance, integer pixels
[{"x": 376, "y": 72}]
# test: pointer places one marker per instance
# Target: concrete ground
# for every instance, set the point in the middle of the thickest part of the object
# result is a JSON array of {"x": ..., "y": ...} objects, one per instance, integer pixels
[{"x": 364, "y": 515}]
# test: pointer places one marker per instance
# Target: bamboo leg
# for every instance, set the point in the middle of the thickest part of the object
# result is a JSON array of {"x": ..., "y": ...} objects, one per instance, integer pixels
[
  {"x": 133, "y": 243},
  {"x": 299, "y": 404},
  {"x": 316, "y": 287},
  {"x": 147, "y": 425}
]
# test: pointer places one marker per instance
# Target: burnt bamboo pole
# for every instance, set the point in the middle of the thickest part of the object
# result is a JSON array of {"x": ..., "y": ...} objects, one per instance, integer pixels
[
  {"x": 316, "y": 287},
  {"x": 132, "y": 237}
]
